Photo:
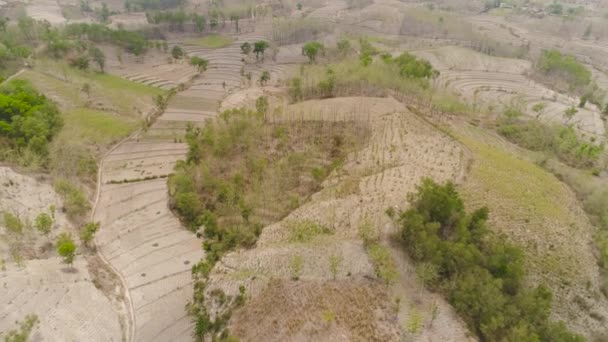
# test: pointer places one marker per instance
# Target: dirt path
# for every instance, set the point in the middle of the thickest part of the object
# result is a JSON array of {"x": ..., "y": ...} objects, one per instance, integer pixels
[{"x": 140, "y": 239}]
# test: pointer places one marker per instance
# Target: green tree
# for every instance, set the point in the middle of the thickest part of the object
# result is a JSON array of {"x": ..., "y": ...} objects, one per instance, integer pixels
[
  {"x": 259, "y": 48},
  {"x": 177, "y": 52},
  {"x": 44, "y": 223},
  {"x": 264, "y": 77},
  {"x": 311, "y": 49},
  {"x": 87, "y": 233},
  {"x": 66, "y": 248},
  {"x": 200, "y": 22},
  {"x": 200, "y": 63}
]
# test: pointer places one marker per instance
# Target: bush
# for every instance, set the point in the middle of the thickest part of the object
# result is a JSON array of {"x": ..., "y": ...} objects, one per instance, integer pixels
[
  {"x": 66, "y": 248},
  {"x": 87, "y": 233},
  {"x": 575, "y": 74},
  {"x": 75, "y": 203},
  {"x": 479, "y": 273},
  {"x": 13, "y": 223},
  {"x": 556, "y": 139}
]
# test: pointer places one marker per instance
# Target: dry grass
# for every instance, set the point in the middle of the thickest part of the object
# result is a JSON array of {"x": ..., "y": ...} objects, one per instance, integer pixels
[{"x": 355, "y": 310}]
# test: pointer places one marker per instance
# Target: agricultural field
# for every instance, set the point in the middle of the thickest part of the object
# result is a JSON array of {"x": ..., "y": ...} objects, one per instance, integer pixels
[{"x": 341, "y": 170}]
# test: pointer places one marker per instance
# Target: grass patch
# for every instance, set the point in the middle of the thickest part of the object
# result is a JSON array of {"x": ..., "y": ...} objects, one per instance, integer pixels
[
  {"x": 306, "y": 230},
  {"x": 383, "y": 262},
  {"x": 528, "y": 204},
  {"x": 213, "y": 41},
  {"x": 93, "y": 126}
]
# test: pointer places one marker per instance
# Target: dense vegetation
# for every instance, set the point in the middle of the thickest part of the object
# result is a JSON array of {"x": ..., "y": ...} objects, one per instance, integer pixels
[
  {"x": 244, "y": 172},
  {"x": 562, "y": 141},
  {"x": 564, "y": 68},
  {"x": 133, "y": 42},
  {"x": 28, "y": 122},
  {"x": 134, "y": 5},
  {"x": 480, "y": 273},
  {"x": 367, "y": 75}
]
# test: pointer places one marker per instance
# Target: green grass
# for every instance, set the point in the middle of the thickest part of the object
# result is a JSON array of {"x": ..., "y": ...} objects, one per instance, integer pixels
[
  {"x": 306, "y": 231},
  {"x": 96, "y": 126},
  {"x": 213, "y": 41},
  {"x": 120, "y": 94},
  {"x": 527, "y": 203}
]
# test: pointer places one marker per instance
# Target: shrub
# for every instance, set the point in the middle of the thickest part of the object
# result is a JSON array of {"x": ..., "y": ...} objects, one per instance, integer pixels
[
  {"x": 87, "y": 233},
  {"x": 199, "y": 62},
  {"x": 554, "y": 63},
  {"x": 13, "y": 223},
  {"x": 44, "y": 223},
  {"x": 556, "y": 139},
  {"x": 305, "y": 231},
  {"x": 75, "y": 202},
  {"x": 177, "y": 52},
  {"x": 25, "y": 330},
  {"x": 479, "y": 273},
  {"x": 66, "y": 248}
]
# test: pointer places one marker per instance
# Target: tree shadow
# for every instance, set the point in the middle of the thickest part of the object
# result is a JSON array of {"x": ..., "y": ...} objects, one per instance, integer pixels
[{"x": 69, "y": 269}]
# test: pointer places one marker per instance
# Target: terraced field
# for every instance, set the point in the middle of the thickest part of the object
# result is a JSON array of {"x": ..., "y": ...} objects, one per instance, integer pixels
[
  {"x": 45, "y": 10},
  {"x": 140, "y": 238},
  {"x": 402, "y": 150},
  {"x": 493, "y": 84}
]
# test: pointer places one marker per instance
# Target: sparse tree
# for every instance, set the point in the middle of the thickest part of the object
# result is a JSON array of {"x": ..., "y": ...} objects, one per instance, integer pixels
[
  {"x": 104, "y": 13},
  {"x": 246, "y": 48},
  {"x": 344, "y": 47},
  {"x": 259, "y": 47},
  {"x": 86, "y": 88},
  {"x": 311, "y": 49},
  {"x": 296, "y": 265},
  {"x": 200, "y": 63},
  {"x": 261, "y": 105},
  {"x": 299, "y": 6},
  {"x": 87, "y": 233},
  {"x": 264, "y": 77},
  {"x": 334, "y": 264},
  {"x": 235, "y": 18},
  {"x": 98, "y": 57},
  {"x": 200, "y": 22},
  {"x": 3, "y": 22},
  {"x": 177, "y": 52},
  {"x": 44, "y": 223},
  {"x": 66, "y": 248}
]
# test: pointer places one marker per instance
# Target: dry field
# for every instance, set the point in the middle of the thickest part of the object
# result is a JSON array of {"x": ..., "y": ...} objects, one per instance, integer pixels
[
  {"x": 33, "y": 279},
  {"x": 493, "y": 84},
  {"x": 45, "y": 10},
  {"x": 402, "y": 150}
]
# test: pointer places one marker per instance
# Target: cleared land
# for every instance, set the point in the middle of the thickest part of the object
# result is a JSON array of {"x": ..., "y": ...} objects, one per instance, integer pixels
[{"x": 34, "y": 280}]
